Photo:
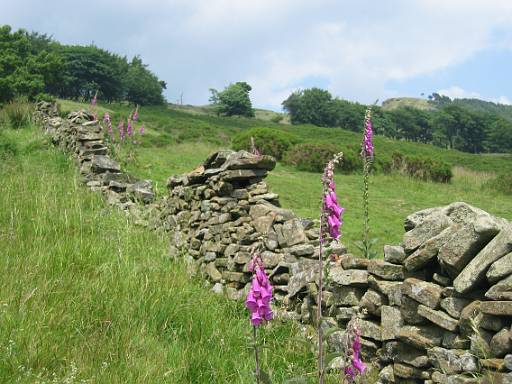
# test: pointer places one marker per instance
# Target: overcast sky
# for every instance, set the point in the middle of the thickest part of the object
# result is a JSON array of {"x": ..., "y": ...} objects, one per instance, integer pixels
[{"x": 360, "y": 50}]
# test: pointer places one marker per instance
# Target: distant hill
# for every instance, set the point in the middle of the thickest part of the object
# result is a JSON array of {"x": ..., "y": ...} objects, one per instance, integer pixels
[
  {"x": 474, "y": 105},
  {"x": 402, "y": 102},
  {"x": 260, "y": 114}
]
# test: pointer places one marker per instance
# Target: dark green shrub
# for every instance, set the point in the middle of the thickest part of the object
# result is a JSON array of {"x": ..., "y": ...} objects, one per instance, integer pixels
[
  {"x": 501, "y": 183},
  {"x": 268, "y": 141},
  {"x": 45, "y": 97},
  {"x": 314, "y": 157},
  {"x": 421, "y": 168},
  {"x": 18, "y": 113}
]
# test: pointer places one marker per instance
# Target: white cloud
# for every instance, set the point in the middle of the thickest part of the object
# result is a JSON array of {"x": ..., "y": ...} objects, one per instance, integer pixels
[{"x": 355, "y": 48}]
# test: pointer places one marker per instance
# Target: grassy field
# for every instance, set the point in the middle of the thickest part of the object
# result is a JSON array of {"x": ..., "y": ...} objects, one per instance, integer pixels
[
  {"x": 177, "y": 141},
  {"x": 87, "y": 297}
]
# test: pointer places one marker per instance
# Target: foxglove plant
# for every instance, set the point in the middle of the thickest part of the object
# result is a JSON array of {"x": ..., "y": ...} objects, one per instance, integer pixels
[
  {"x": 367, "y": 151},
  {"x": 330, "y": 224},
  {"x": 136, "y": 113},
  {"x": 258, "y": 302},
  {"x": 142, "y": 129},
  {"x": 352, "y": 347},
  {"x": 129, "y": 127}
]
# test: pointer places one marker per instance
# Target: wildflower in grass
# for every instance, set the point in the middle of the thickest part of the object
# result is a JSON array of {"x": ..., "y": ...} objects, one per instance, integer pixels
[
  {"x": 330, "y": 224},
  {"x": 142, "y": 129},
  {"x": 106, "y": 117},
  {"x": 122, "y": 133},
  {"x": 110, "y": 130},
  {"x": 258, "y": 302},
  {"x": 136, "y": 114},
  {"x": 129, "y": 127},
  {"x": 94, "y": 99},
  {"x": 367, "y": 145},
  {"x": 260, "y": 294},
  {"x": 353, "y": 350},
  {"x": 367, "y": 152}
]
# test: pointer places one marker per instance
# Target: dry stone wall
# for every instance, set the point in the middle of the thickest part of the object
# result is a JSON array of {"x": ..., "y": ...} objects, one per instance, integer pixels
[{"x": 436, "y": 309}]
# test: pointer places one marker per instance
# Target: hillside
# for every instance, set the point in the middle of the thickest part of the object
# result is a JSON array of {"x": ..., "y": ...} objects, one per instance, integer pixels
[
  {"x": 402, "y": 102},
  {"x": 176, "y": 142},
  {"x": 474, "y": 105},
  {"x": 88, "y": 297}
]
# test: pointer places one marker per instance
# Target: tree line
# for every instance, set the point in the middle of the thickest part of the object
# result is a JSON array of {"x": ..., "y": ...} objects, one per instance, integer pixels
[
  {"x": 450, "y": 124},
  {"x": 33, "y": 65}
]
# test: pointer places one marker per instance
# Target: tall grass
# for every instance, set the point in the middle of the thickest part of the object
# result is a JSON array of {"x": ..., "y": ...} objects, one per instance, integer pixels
[
  {"x": 87, "y": 297},
  {"x": 17, "y": 114}
]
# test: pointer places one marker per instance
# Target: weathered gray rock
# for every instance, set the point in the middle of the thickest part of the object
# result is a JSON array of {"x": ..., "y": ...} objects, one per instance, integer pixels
[
  {"x": 300, "y": 280},
  {"x": 385, "y": 270},
  {"x": 100, "y": 164},
  {"x": 475, "y": 271},
  {"x": 430, "y": 226},
  {"x": 466, "y": 242},
  {"x": 213, "y": 272},
  {"x": 421, "y": 336},
  {"x": 507, "y": 360},
  {"x": 438, "y": 317},
  {"x": 452, "y": 361},
  {"x": 392, "y": 289},
  {"x": 500, "y": 269},
  {"x": 498, "y": 308},
  {"x": 441, "y": 279},
  {"x": 354, "y": 277},
  {"x": 426, "y": 293},
  {"x": 302, "y": 250},
  {"x": 347, "y": 296},
  {"x": 408, "y": 372},
  {"x": 409, "y": 311},
  {"x": 142, "y": 191},
  {"x": 412, "y": 356},
  {"x": 416, "y": 218},
  {"x": 394, "y": 254},
  {"x": 454, "y": 305},
  {"x": 501, "y": 343},
  {"x": 387, "y": 375},
  {"x": 292, "y": 233},
  {"x": 391, "y": 322},
  {"x": 422, "y": 256},
  {"x": 373, "y": 301},
  {"x": 370, "y": 330},
  {"x": 501, "y": 290},
  {"x": 349, "y": 261},
  {"x": 454, "y": 341}
]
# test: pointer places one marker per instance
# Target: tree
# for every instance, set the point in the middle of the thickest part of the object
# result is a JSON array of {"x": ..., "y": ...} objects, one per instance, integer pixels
[
  {"x": 311, "y": 106},
  {"x": 142, "y": 86},
  {"x": 233, "y": 100}
]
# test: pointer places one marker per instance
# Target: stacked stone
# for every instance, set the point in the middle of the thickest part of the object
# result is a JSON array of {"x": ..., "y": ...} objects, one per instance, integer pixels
[
  {"x": 222, "y": 210},
  {"x": 81, "y": 135},
  {"x": 455, "y": 320}
]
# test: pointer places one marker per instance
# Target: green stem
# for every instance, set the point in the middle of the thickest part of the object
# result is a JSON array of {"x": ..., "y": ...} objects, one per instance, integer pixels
[
  {"x": 366, "y": 179},
  {"x": 319, "y": 308},
  {"x": 256, "y": 355}
]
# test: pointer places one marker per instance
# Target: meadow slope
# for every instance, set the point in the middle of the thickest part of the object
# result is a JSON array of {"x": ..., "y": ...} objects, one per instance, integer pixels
[
  {"x": 87, "y": 297},
  {"x": 177, "y": 141}
]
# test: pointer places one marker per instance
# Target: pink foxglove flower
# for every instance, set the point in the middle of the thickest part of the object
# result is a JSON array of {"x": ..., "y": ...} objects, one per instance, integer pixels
[
  {"x": 129, "y": 128},
  {"x": 142, "y": 129},
  {"x": 356, "y": 367},
  {"x": 106, "y": 117},
  {"x": 94, "y": 99},
  {"x": 122, "y": 133},
  {"x": 136, "y": 114},
  {"x": 331, "y": 209},
  {"x": 260, "y": 294},
  {"x": 367, "y": 145}
]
